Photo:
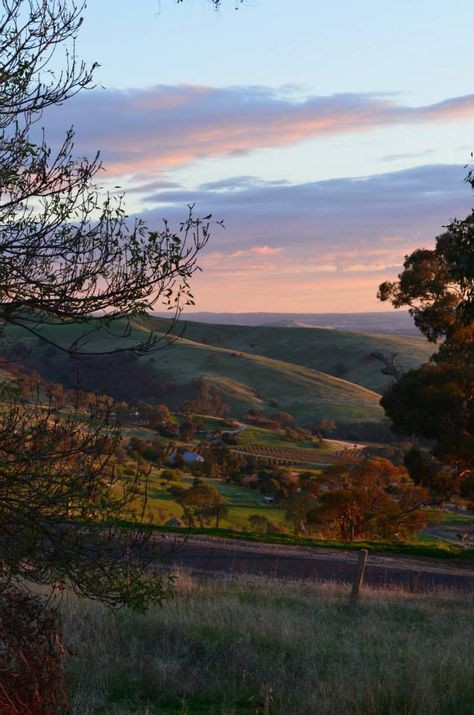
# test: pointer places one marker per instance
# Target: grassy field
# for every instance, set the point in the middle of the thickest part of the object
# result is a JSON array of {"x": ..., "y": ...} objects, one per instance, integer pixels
[
  {"x": 254, "y": 382},
  {"x": 243, "y": 503},
  {"x": 246, "y": 380},
  {"x": 259, "y": 436},
  {"x": 270, "y": 647},
  {"x": 317, "y": 348}
]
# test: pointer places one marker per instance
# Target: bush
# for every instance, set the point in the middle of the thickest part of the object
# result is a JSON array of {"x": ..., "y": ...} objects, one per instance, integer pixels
[{"x": 31, "y": 679}]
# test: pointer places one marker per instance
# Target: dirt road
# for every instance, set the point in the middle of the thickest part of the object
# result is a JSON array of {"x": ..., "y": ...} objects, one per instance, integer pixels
[{"x": 208, "y": 555}]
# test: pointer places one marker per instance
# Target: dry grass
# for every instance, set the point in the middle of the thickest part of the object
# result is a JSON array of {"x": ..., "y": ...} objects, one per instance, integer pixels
[{"x": 260, "y": 646}]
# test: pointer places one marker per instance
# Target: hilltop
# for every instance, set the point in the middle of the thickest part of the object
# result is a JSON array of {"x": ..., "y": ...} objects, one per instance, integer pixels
[{"x": 389, "y": 322}]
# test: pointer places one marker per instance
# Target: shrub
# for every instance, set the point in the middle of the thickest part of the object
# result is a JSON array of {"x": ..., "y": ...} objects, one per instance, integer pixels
[{"x": 31, "y": 679}]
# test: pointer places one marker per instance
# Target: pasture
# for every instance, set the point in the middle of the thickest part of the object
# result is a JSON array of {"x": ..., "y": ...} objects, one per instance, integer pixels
[
  {"x": 247, "y": 646},
  {"x": 342, "y": 353},
  {"x": 245, "y": 380}
]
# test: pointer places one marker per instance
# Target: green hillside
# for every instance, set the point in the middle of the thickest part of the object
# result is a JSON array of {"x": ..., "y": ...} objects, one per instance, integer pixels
[
  {"x": 245, "y": 380},
  {"x": 253, "y": 381},
  {"x": 336, "y": 352}
]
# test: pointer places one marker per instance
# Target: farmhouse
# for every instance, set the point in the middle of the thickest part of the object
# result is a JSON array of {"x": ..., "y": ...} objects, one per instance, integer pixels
[{"x": 188, "y": 458}]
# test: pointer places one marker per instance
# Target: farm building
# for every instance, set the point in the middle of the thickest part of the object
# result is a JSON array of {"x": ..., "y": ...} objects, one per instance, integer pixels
[{"x": 188, "y": 458}]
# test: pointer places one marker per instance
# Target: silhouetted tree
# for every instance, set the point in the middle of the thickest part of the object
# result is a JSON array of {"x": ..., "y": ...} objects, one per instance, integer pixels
[
  {"x": 436, "y": 401},
  {"x": 437, "y": 284},
  {"x": 68, "y": 252}
]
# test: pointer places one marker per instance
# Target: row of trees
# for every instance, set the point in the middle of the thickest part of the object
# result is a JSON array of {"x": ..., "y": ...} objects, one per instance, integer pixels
[{"x": 356, "y": 498}]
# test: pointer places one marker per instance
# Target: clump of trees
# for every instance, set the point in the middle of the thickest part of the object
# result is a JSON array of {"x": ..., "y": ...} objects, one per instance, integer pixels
[
  {"x": 158, "y": 417},
  {"x": 201, "y": 504},
  {"x": 360, "y": 498},
  {"x": 436, "y": 401},
  {"x": 207, "y": 400},
  {"x": 151, "y": 451},
  {"x": 257, "y": 418}
]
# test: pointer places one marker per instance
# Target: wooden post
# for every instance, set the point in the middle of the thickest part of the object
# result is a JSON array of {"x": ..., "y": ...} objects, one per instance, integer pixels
[{"x": 359, "y": 577}]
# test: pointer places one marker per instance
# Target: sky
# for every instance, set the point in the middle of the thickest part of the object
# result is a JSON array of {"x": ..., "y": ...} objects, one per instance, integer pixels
[{"x": 330, "y": 137}]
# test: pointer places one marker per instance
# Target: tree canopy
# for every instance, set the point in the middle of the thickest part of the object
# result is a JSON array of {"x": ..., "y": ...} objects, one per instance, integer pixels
[
  {"x": 438, "y": 284},
  {"x": 436, "y": 401},
  {"x": 366, "y": 497}
]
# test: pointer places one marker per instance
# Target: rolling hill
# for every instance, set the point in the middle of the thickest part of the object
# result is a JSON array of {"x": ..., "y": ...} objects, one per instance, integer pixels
[
  {"x": 339, "y": 353},
  {"x": 312, "y": 373},
  {"x": 392, "y": 322},
  {"x": 244, "y": 380}
]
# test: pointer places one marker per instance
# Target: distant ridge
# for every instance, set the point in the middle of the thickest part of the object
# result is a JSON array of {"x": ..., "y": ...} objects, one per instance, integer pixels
[{"x": 390, "y": 322}]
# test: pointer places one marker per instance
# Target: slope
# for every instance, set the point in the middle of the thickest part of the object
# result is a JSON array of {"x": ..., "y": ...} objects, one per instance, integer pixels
[
  {"x": 245, "y": 381},
  {"x": 336, "y": 352}
]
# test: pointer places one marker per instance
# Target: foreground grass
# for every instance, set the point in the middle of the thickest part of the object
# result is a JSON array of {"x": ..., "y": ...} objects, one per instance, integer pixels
[{"x": 260, "y": 646}]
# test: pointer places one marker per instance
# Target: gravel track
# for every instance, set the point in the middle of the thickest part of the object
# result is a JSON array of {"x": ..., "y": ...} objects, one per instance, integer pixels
[{"x": 212, "y": 556}]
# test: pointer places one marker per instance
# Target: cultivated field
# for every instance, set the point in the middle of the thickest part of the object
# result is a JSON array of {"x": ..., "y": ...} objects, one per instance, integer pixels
[{"x": 287, "y": 456}]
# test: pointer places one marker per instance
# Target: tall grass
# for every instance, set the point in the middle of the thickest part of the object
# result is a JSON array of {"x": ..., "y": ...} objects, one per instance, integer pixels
[{"x": 260, "y": 646}]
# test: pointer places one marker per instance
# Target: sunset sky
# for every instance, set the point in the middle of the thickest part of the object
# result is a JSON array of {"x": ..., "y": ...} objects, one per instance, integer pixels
[{"x": 329, "y": 136}]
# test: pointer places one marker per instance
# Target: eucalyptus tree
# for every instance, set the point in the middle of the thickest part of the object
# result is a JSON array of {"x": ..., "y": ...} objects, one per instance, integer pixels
[{"x": 436, "y": 401}]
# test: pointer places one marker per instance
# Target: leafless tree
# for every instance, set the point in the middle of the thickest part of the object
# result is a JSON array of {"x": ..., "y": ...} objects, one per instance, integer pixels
[{"x": 68, "y": 252}]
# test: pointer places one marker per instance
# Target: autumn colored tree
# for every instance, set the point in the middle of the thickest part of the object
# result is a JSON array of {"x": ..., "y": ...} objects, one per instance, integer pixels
[
  {"x": 368, "y": 498},
  {"x": 201, "y": 503},
  {"x": 301, "y": 504}
]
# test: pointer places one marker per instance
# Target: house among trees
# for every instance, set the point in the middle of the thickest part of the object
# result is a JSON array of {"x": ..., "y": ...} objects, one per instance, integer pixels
[{"x": 187, "y": 457}]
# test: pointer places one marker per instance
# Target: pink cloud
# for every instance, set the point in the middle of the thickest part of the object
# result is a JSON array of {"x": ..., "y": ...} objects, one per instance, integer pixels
[
  {"x": 258, "y": 251},
  {"x": 157, "y": 129},
  {"x": 316, "y": 246}
]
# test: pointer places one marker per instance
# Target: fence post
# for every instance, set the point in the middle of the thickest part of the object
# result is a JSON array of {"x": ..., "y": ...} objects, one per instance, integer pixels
[{"x": 359, "y": 576}]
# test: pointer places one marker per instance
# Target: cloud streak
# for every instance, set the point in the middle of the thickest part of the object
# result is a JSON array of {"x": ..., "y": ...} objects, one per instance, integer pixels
[
  {"x": 157, "y": 129},
  {"x": 318, "y": 246}
]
